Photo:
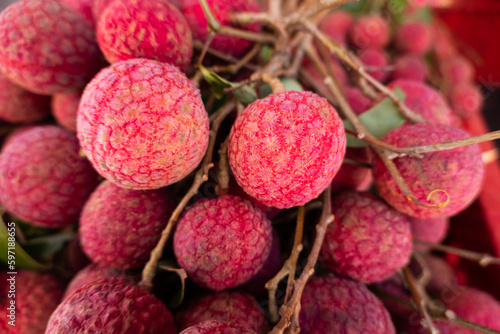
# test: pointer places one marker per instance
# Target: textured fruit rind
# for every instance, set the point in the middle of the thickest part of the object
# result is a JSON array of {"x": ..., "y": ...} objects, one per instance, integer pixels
[
  {"x": 285, "y": 149},
  {"x": 370, "y": 31},
  {"x": 368, "y": 241},
  {"x": 451, "y": 175},
  {"x": 142, "y": 124},
  {"x": 217, "y": 327},
  {"x": 338, "y": 305},
  {"x": 429, "y": 230},
  {"x": 110, "y": 306},
  {"x": 65, "y": 109},
  {"x": 156, "y": 30},
  {"x": 119, "y": 227},
  {"x": 222, "y": 242},
  {"x": 232, "y": 307},
  {"x": 43, "y": 180},
  {"x": 46, "y": 47}
]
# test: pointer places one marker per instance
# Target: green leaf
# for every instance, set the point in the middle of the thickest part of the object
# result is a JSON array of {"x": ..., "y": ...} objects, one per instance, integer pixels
[
  {"x": 47, "y": 245},
  {"x": 378, "y": 120},
  {"x": 245, "y": 94},
  {"x": 178, "y": 297},
  {"x": 216, "y": 82},
  {"x": 266, "y": 52},
  {"x": 18, "y": 256}
]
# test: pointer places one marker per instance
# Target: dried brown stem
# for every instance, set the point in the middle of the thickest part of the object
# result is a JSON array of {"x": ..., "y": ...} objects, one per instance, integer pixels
[
  {"x": 223, "y": 176},
  {"x": 297, "y": 248},
  {"x": 299, "y": 55},
  {"x": 274, "y": 82},
  {"x": 426, "y": 275},
  {"x": 272, "y": 286},
  {"x": 206, "y": 45},
  {"x": 199, "y": 46},
  {"x": 483, "y": 259},
  {"x": 326, "y": 5}
]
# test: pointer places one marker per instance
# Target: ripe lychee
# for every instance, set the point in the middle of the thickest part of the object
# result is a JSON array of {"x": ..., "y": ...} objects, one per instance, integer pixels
[
  {"x": 450, "y": 176},
  {"x": 232, "y": 307},
  {"x": 458, "y": 70},
  {"x": 414, "y": 38},
  {"x": 119, "y": 227},
  {"x": 370, "y": 31},
  {"x": 357, "y": 100},
  {"x": 285, "y": 149},
  {"x": 110, "y": 306},
  {"x": 466, "y": 100},
  {"x": 37, "y": 295},
  {"x": 216, "y": 327},
  {"x": 82, "y": 7},
  {"x": 156, "y": 30},
  {"x": 368, "y": 241},
  {"x": 352, "y": 176},
  {"x": 46, "y": 47},
  {"x": 429, "y": 230},
  {"x": 443, "y": 279},
  {"x": 377, "y": 58},
  {"x": 222, "y": 242},
  {"x": 338, "y": 305},
  {"x": 336, "y": 25},
  {"x": 43, "y": 180},
  {"x": 409, "y": 67},
  {"x": 17, "y": 105},
  {"x": 142, "y": 124},
  {"x": 65, "y": 109}
]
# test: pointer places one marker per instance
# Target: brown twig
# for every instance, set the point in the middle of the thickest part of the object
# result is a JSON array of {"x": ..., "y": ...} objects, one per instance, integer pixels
[
  {"x": 483, "y": 259},
  {"x": 197, "y": 44},
  {"x": 272, "y": 286},
  {"x": 297, "y": 248},
  {"x": 206, "y": 45},
  {"x": 326, "y": 5},
  {"x": 425, "y": 275},
  {"x": 223, "y": 175}
]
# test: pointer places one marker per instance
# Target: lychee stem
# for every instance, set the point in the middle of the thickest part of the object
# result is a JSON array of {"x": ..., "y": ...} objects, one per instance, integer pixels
[
  {"x": 483, "y": 259},
  {"x": 199, "y": 46},
  {"x": 297, "y": 248},
  {"x": 223, "y": 176}
]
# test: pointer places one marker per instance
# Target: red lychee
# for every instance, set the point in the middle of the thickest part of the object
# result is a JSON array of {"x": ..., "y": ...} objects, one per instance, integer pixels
[
  {"x": 222, "y": 242},
  {"x": 235, "y": 307},
  {"x": 17, "y": 105},
  {"x": 338, "y": 305},
  {"x": 37, "y": 295},
  {"x": 409, "y": 67},
  {"x": 43, "y": 180},
  {"x": 46, "y": 47},
  {"x": 377, "y": 58},
  {"x": 429, "y": 230},
  {"x": 285, "y": 149},
  {"x": 453, "y": 176},
  {"x": 216, "y": 327},
  {"x": 82, "y": 7},
  {"x": 119, "y": 227},
  {"x": 466, "y": 100},
  {"x": 142, "y": 124},
  {"x": 336, "y": 25},
  {"x": 110, "y": 306},
  {"x": 65, "y": 109},
  {"x": 357, "y": 100},
  {"x": 370, "y": 31},
  {"x": 352, "y": 176},
  {"x": 368, "y": 241},
  {"x": 414, "y": 38},
  {"x": 458, "y": 70},
  {"x": 156, "y": 30}
]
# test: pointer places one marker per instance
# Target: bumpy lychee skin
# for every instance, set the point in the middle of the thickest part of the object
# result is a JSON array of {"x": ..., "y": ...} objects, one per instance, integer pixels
[
  {"x": 429, "y": 230},
  {"x": 451, "y": 175},
  {"x": 222, "y": 10},
  {"x": 142, "y": 124},
  {"x": 414, "y": 38},
  {"x": 426, "y": 101},
  {"x": 232, "y": 307},
  {"x": 357, "y": 100},
  {"x": 466, "y": 100},
  {"x": 217, "y": 327},
  {"x": 65, "y": 109},
  {"x": 370, "y": 31},
  {"x": 338, "y": 305},
  {"x": 46, "y": 47},
  {"x": 82, "y": 7},
  {"x": 375, "y": 58},
  {"x": 409, "y": 67},
  {"x": 368, "y": 241},
  {"x": 156, "y": 30},
  {"x": 111, "y": 306},
  {"x": 119, "y": 227},
  {"x": 286, "y": 148},
  {"x": 43, "y": 180},
  {"x": 98, "y": 7},
  {"x": 222, "y": 242},
  {"x": 18, "y": 105}
]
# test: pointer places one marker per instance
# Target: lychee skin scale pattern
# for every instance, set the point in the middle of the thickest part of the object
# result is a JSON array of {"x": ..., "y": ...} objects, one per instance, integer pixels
[
  {"x": 43, "y": 180},
  {"x": 458, "y": 172},
  {"x": 37, "y": 296},
  {"x": 337, "y": 305},
  {"x": 156, "y": 30},
  {"x": 217, "y": 327},
  {"x": 65, "y": 109},
  {"x": 222, "y": 242},
  {"x": 142, "y": 124},
  {"x": 46, "y": 47},
  {"x": 110, "y": 306},
  {"x": 232, "y": 307},
  {"x": 82, "y": 7},
  {"x": 285, "y": 149},
  {"x": 369, "y": 241},
  {"x": 119, "y": 227}
]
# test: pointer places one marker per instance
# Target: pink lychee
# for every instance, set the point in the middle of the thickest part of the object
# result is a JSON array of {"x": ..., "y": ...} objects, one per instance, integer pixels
[
  {"x": 119, "y": 227},
  {"x": 377, "y": 58},
  {"x": 110, "y": 306},
  {"x": 338, "y": 305},
  {"x": 98, "y": 7},
  {"x": 142, "y": 124},
  {"x": 43, "y": 180},
  {"x": 357, "y": 100},
  {"x": 368, "y": 241},
  {"x": 216, "y": 327},
  {"x": 82, "y": 7},
  {"x": 466, "y": 100},
  {"x": 46, "y": 47},
  {"x": 370, "y": 31},
  {"x": 65, "y": 108},
  {"x": 450, "y": 176},
  {"x": 285, "y": 149},
  {"x": 222, "y": 242},
  {"x": 156, "y": 30},
  {"x": 429, "y": 230},
  {"x": 351, "y": 176},
  {"x": 409, "y": 67},
  {"x": 414, "y": 38},
  {"x": 458, "y": 70},
  {"x": 336, "y": 25},
  {"x": 443, "y": 279}
]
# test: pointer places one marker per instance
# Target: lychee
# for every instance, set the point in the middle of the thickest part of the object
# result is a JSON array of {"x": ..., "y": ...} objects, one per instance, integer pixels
[
  {"x": 357, "y": 100},
  {"x": 142, "y": 124},
  {"x": 377, "y": 58},
  {"x": 232, "y": 307},
  {"x": 368, "y": 241},
  {"x": 466, "y": 100},
  {"x": 429, "y": 230},
  {"x": 156, "y": 30},
  {"x": 46, "y": 47},
  {"x": 370, "y": 31},
  {"x": 119, "y": 227},
  {"x": 409, "y": 67},
  {"x": 414, "y": 38},
  {"x": 351, "y": 176},
  {"x": 338, "y": 305},
  {"x": 458, "y": 70},
  {"x": 336, "y": 25},
  {"x": 222, "y": 242},
  {"x": 110, "y": 306},
  {"x": 17, "y": 105},
  {"x": 37, "y": 295},
  {"x": 98, "y": 7},
  {"x": 443, "y": 279},
  {"x": 223, "y": 11},
  {"x": 216, "y": 327},
  {"x": 452, "y": 177},
  {"x": 285, "y": 149},
  {"x": 65, "y": 109},
  {"x": 82, "y": 7},
  {"x": 43, "y": 180}
]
